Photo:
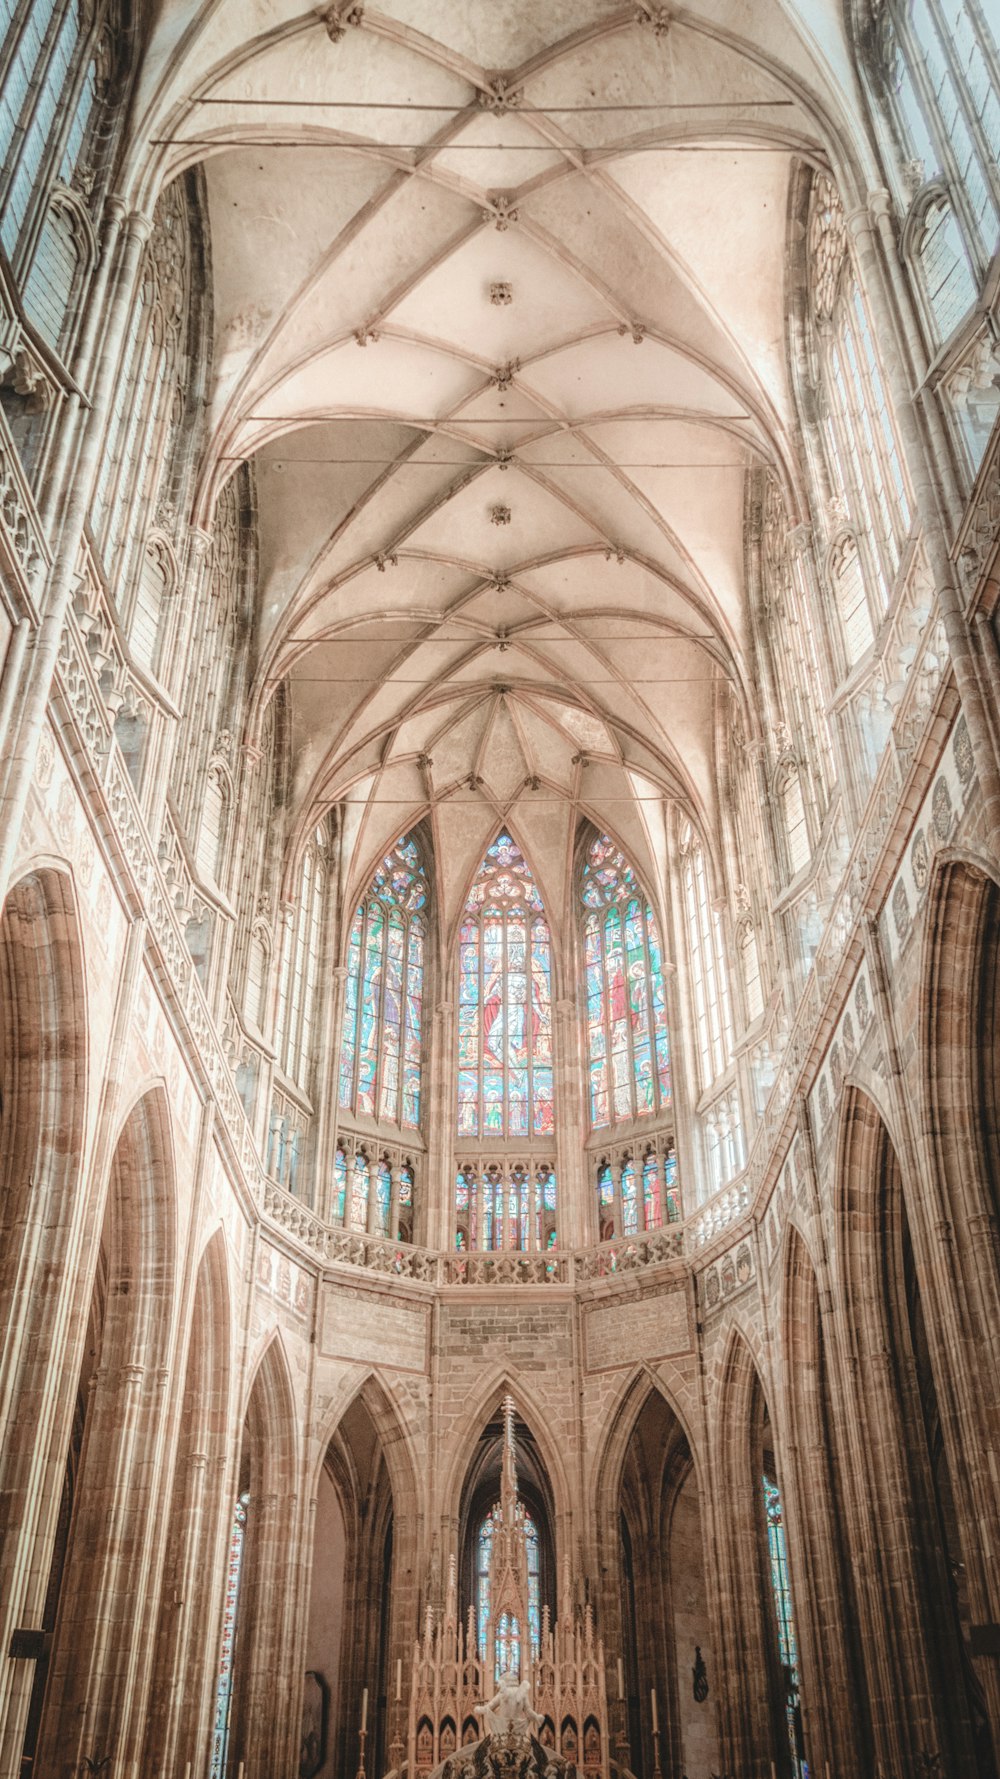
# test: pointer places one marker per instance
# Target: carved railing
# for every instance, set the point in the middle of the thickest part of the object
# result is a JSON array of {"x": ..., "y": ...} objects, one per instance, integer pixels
[
  {"x": 19, "y": 522},
  {"x": 631, "y": 1254},
  {"x": 376, "y": 1254},
  {"x": 508, "y": 1268}
]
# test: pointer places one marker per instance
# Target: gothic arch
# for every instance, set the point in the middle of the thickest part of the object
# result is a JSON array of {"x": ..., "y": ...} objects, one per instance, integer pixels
[
  {"x": 906, "y": 1518},
  {"x": 179, "y": 1710},
  {"x": 619, "y": 1427},
  {"x": 44, "y": 1060},
  {"x": 396, "y": 1437},
  {"x": 752, "y": 1712},
  {"x": 98, "y": 1702},
  {"x": 476, "y": 1410},
  {"x": 265, "y": 1684},
  {"x": 834, "y": 1704}
]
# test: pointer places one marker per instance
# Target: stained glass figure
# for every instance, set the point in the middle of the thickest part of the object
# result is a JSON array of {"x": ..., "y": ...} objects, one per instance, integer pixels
[
  {"x": 651, "y": 1190},
  {"x": 224, "y": 1688},
  {"x": 383, "y": 1193},
  {"x": 505, "y": 1081},
  {"x": 359, "y": 1192},
  {"x": 787, "y": 1646},
  {"x": 671, "y": 1189},
  {"x": 381, "y": 1042},
  {"x": 339, "y": 1185},
  {"x": 628, "y": 1048},
  {"x": 630, "y": 1204}
]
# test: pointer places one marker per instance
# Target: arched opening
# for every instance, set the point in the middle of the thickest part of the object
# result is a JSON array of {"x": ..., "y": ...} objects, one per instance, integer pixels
[
  {"x": 656, "y": 1607},
  {"x": 761, "y": 1711},
  {"x": 91, "y": 1702},
  {"x": 479, "y": 1504},
  {"x": 258, "y": 1690},
  {"x": 835, "y": 1706},
  {"x": 353, "y": 1610},
  {"x": 936, "y": 1705},
  {"x": 181, "y": 1694},
  {"x": 43, "y": 1059}
]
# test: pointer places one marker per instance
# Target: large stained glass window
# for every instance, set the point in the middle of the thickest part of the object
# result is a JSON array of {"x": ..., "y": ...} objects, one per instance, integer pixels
[
  {"x": 627, "y": 1045},
  {"x": 507, "y": 1631},
  {"x": 380, "y": 1049},
  {"x": 504, "y": 1002},
  {"x": 224, "y": 1688},
  {"x": 787, "y": 1648}
]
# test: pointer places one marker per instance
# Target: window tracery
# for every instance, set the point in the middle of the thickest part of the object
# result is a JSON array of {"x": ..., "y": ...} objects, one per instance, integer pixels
[
  {"x": 47, "y": 99},
  {"x": 628, "y": 1047},
  {"x": 300, "y": 956},
  {"x": 380, "y": 1055},
  {"x": 505, "y": 1079},
  {"x": 859, "y": 433},
  {"x": 709, "y": 976}
]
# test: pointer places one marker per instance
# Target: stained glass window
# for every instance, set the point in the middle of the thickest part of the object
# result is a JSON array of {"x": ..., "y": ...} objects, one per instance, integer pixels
[
  {"x": 787, "y": 1648},
  {"x": 507, "y": 1631},
  {"x": 504, "y": 1002},
  {"x": 224, "y": 1689},
  {"x": 360, "y": 1181},
  {"x": 627, "y": 1044},
  {"x": 380, "y": 1047}
]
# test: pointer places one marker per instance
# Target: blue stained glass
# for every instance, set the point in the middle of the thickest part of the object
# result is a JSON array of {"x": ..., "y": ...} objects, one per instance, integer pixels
[
  {"x": 224, "y": 1687},
  {"x": 630, "y": 1206},
  {"x": 627, "y": 1041},
  {"x": 787, "y": 1645},
  {"x": 339, "y": 1185},
  {"x": 380, "y": 1051},
  {"x": 383, "y": 1194},
  {"x": 507, "y": 1632}
]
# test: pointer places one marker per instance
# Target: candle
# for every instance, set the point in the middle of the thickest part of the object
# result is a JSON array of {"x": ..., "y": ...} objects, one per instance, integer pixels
[
  {"x": 240, "y": 1773},
  {"x": 187, "y": 1771},
  {"x": 399, "y": 1683},
  {"x": 364, "y": 1711},
  {"x": 656, "y": 1721},
  {"x": 621, "y": 1679},
  {"x": 774, "y": 1774},
  {"x": 826, "y": 1768}
]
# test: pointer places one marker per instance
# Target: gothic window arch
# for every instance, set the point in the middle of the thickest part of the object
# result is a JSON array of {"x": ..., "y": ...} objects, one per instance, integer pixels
[
  {"x": 866, "y": 469},
  {"x": 213, "y": 831},
  {"x": 628, "y": 1048},
  {"x": 505, "y": 1080},
  {"x": 851, "y": 596},
  {"x": 62, "y": 260},
  {"x": 937, "y": 62},
  {"x": 794, "y": 822},
  {"x": 300, "y": 958},
  {"x": 933, "y": 241},
  {"x": 258, "y": 970},
  {"x": 380, "y": 1052},
  {"x": 148, "y": 402},
  {"x": 706, "y": 949},
  {"x": 48, "y": 95},
  {"x": 507, "y": 1632},
  {"x": 749, "y": 956}
]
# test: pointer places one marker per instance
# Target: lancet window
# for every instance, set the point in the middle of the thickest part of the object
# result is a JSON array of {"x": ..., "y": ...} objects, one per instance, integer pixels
[
  {"x": 859, "y": 431},
  {"x": 380, "y": 1048},
  {"x": 300, "y": 963},
  {"x": 628, "y": 1048},
  {"x": 505, "y": 1205},
  {"x": 224, "y": 1684},
  {"x": 505, "y": 1082},
  {"x": 777, "y": 1551},
  {"x": 709, "y": 976},
  {"x": 47, "y": 99}
]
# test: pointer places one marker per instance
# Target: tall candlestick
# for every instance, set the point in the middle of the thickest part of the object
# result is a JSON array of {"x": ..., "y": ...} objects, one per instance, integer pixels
[
  {"x": 621, "y": 1679},
  {"x": 364, "y": 1710},
  {"x": 656, "y": 1721},
  {"x": 399, "y": 1679}
]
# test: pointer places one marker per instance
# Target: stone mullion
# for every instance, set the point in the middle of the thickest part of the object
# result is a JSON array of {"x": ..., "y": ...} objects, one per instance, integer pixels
[
  {"x": 616, "y": 1202},
  {"x": 570, "y": 1122},
  {"x": 373, "y": 1179},
  {"x": 437, "y": 1185}
]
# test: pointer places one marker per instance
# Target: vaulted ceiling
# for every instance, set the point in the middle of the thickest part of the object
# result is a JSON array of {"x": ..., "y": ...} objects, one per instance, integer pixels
[{"x": 499, "y": 317}]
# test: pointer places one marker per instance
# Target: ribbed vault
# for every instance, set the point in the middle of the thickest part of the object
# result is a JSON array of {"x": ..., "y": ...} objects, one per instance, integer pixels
[{"x": 502, "y": 347}]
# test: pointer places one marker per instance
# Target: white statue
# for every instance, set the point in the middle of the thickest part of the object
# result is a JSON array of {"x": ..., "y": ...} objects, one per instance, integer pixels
[{"x": 509, "y": 1709}]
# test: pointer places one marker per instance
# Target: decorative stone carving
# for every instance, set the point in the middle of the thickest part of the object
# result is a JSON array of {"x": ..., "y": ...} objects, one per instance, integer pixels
[
  {"x": 500, "y": 95},
  {"x": 501, "y": 294},
  {"x": 504, "y": 374},
  {"x": 656, "y": 17},
  {"x": 500, "y": 515},
  {"x": 339, "y": 17},
  {"x": 637, "y": 329},
  {"x": 501, "y": 210}
]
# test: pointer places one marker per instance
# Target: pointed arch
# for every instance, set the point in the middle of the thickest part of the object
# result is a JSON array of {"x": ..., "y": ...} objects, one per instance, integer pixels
[
  {"x": 627, "y": 1042},
  {"x": 478, "y": 1408},
  {"x": 382, "y": 1035},
  {"x": 505, "y": 1054}
]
